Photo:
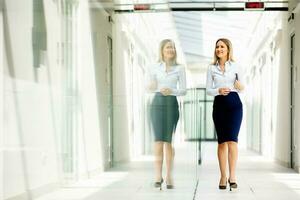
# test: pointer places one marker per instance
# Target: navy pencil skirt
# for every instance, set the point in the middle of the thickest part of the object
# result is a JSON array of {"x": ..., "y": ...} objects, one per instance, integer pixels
[
  {"x": 227, "y": 116},
  {"x": 164, "y": 116}
]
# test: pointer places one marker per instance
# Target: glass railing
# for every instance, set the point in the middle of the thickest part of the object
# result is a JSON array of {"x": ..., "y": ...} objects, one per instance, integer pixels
[{"x": 197, "y": 116}]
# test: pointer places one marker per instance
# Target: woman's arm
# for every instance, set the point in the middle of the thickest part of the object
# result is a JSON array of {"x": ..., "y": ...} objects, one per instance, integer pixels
[
  {"x": 210, "y": 83},
  {"x": 239, "y": 82},
  {"x": 151, "y": 82},
  {"x": 181, "y": 90}
]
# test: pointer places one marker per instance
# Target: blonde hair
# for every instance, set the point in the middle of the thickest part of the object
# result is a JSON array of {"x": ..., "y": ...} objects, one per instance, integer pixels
[
  {"x": 229, "y": 47},
  {"x": 161, "y": 47}
]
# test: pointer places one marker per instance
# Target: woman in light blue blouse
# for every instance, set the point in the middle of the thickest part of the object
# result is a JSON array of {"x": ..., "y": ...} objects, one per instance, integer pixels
[
  {"x": 225, "y": 81},
  {"x": 167, "y": 80}
]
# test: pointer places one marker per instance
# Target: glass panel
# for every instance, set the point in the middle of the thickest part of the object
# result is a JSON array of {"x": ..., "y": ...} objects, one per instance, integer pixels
[
  {"x": 70, "y": 114},
  {"x": 210, "y": 127},
  {"x": 198, "y": 115}
]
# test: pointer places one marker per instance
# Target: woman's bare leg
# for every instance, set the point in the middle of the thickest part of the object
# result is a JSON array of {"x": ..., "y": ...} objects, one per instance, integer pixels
[
  {"x": 232, "y": 160},
  {"x": 159, "y": 157},
  {"x": 170, "y": 152},
  {"x": 222, "y": 156}
]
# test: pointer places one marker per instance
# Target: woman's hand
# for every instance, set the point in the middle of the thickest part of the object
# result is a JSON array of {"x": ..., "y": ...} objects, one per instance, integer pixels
[
  {"x": 224, "y": 91},
  {"x": 238, "y": 85},
  {"x": 166, "y": 91}
]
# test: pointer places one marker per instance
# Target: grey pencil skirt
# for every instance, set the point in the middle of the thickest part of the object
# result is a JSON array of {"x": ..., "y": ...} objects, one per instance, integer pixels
[{"x": 164, "y": 116}]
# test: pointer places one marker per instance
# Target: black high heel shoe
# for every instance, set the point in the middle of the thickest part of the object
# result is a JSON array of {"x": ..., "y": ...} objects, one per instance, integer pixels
[
  {"x": 232, "y": 185},
  {"x": 169, "y": 186},
  {"x": 223, "y": 187},
  {"x": 158, "y": 184}
]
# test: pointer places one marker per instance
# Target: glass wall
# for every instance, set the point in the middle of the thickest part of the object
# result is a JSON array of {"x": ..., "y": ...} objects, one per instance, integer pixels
[{"x": 198, "y": 115}]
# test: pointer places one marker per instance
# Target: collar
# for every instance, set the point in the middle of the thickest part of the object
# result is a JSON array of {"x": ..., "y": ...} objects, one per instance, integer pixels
[
  {"x": 162, "y": 66},
  {"x": 228, "y": 63}
]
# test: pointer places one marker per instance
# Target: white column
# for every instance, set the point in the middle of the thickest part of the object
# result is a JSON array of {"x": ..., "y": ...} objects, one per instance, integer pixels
[{"x": 1, "y": 106}]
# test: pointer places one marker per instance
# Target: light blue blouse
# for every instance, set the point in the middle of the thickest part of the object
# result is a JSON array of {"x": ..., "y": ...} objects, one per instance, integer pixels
[
  {"x": 174, "y": 79},
  {"x": 217, "y": 79}
]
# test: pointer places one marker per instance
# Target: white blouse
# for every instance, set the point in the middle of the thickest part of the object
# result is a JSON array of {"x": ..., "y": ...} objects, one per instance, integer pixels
[
  {"x": 175, "y": 78},
  {"x": 217, "y": 79}
]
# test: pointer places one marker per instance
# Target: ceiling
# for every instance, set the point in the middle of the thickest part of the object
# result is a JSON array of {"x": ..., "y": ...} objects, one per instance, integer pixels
[{"x": 198, "y": 31}]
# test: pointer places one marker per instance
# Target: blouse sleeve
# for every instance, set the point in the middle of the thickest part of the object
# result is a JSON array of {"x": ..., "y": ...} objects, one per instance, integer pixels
[
  {"x": 210, "y": 83},
  {"x": 181, "y": 89},
  {"x": 150, "y": 79},
  {"x": 240, "y": 75}
]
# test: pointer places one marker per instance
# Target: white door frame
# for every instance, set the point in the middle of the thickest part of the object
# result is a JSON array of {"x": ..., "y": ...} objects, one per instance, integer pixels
[{"x": 292, "y": 101}]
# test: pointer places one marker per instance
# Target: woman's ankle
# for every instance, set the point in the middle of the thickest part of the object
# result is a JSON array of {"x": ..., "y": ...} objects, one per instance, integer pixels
[
  {"x": 232, "y": 179},
  {"x": 169, "y": 179}
]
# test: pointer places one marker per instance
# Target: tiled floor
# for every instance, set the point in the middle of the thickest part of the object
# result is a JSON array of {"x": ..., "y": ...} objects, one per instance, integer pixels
[{"x": 258, "y": 179}]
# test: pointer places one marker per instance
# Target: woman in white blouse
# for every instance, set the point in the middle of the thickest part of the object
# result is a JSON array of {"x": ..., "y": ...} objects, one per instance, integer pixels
[
  {"x": 225, "y": 81},
  {"x": 167, "y": 80}
]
